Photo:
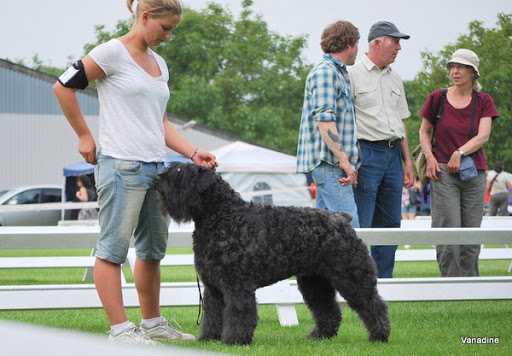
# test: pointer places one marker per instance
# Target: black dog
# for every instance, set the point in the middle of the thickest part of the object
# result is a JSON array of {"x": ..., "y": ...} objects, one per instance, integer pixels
[{"x": 239, "y": 247}]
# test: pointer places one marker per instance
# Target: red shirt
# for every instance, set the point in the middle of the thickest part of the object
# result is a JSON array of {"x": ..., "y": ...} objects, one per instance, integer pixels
[{"x": 452, "y": 129}]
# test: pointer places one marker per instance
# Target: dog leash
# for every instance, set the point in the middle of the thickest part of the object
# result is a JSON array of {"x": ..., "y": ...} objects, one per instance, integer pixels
[{"x": 198, "y": 322}]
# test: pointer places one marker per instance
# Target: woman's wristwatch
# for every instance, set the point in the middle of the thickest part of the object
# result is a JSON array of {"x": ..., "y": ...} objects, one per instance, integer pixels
[{"x": 461, "y": 152}]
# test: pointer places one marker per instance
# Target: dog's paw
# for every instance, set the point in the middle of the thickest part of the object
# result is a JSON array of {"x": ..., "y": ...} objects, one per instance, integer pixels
[
  {"x": 240, "y": 340},
  {"x": 315, "y": 334},
  {"x": 379, "y": 338},
  {"x": 209, "y": 337}
]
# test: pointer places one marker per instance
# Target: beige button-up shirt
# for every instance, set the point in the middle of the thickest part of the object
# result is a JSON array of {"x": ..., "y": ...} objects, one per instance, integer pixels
[{"x": 380, "y": 101}]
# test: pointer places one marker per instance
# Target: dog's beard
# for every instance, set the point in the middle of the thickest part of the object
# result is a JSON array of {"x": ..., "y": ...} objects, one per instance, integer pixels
[{"x": 174, "y": 200}]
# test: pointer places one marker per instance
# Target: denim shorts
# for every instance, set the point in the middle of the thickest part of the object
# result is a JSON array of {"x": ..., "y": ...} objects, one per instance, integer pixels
[{"x": 129, "y": 205}]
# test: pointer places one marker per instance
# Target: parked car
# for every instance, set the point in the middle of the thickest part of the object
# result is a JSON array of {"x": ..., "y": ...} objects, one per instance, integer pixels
[{"x": 31, "y": 195}]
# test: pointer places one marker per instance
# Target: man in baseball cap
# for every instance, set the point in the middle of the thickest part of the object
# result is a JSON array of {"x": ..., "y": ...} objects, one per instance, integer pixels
[
  {"x": 386, "y": 166},
  {"x": 385, "y": 28}
]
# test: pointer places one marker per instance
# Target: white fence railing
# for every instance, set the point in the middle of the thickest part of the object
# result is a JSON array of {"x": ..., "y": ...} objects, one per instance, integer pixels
[
  {"x": 493, "y": 231},
  {"x": 283, "y": 294},
  {"x": 47, "y": 206}
]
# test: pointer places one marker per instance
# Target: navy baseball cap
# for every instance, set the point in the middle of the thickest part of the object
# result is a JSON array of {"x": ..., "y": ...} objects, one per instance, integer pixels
[{"x": 385, "y": 28}]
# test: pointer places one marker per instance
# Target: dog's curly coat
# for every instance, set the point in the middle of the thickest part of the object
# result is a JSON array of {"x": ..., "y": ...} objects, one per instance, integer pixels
[{"x": 239, "y": 247}]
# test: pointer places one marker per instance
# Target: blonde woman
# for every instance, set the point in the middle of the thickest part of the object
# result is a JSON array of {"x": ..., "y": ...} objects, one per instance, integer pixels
[
  {"x": 462, "y": 130},
  {"x": 134, "y": 135}
]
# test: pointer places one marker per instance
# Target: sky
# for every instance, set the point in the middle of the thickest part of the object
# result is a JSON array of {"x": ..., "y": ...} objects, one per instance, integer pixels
[{"x": 56, "y": 30}]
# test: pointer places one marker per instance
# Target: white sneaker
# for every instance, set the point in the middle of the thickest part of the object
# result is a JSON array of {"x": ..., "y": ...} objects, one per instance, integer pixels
[
  {"x": 132, "y": 336},
  {"x": 164, "y": 331}
]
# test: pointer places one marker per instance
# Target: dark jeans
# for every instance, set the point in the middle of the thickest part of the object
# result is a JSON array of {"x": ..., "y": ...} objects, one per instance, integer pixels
[{"x": 379, "y": 195}]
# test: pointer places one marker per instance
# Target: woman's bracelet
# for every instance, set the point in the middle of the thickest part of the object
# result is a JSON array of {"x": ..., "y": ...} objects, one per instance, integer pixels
[{"x": 194, "y": 153}]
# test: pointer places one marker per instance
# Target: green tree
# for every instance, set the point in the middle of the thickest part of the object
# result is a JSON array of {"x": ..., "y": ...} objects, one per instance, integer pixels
[
  {"x": 39, "y": 65},
  {"x": 233, "y": 74},
  {"x": 494, "y": 48}
]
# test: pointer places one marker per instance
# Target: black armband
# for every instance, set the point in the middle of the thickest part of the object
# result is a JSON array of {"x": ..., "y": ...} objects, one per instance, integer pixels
[{"x": 74, "y": 77}]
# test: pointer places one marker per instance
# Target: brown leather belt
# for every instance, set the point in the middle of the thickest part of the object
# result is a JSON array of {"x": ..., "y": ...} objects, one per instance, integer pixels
[{"x": 387, "y": 143}]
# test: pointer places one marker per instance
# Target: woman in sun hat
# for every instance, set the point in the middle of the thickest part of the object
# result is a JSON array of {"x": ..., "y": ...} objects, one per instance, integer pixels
[{"x": 461, "y": 130}]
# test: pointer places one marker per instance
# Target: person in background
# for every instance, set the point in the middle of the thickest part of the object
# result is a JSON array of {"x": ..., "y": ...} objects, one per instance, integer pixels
[
  {"x": 462, "y": 130},
  {"x": 327, "y": 144},
  {"x": 411, "y": 200},
  {"x": 499, "y": 185},
  {"x": 386, "y": 166},
  {"x": 425, "y": 201},
  {"x": 86, "y": 193}
]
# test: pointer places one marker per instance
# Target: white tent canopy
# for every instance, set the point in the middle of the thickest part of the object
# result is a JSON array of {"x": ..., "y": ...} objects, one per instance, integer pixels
[
  {"x": 243, "y": 157},
  {"x": 262, "y": 175}
]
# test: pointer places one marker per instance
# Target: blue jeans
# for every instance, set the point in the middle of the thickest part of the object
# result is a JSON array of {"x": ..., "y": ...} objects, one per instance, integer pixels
[
  {"x": 379, "y": 197},
  {"x": 331, "y": 195},
  {"x": 129, "y": 205}
]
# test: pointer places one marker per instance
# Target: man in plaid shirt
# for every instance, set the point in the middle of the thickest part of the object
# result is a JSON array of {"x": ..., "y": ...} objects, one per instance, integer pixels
[{"x": 327, "y": 146}]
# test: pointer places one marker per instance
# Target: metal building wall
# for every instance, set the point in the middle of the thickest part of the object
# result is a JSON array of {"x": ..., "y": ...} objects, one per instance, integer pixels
[
  {"x": 35, "y": 139},
  {"x": 26, "y": 93},
  {"x": 35, "y": 148}
]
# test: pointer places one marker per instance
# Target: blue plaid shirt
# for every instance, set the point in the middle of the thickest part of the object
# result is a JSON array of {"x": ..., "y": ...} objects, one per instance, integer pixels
[{"x": 327, "y": 97}]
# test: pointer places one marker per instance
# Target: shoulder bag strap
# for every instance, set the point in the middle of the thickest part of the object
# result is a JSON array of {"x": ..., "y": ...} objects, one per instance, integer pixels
[
  {"x": 439, "y": 114},
  {"x": 472, "y": 127},
  {"x": 440, "y": 105},
  {"x": 492, "y": 182}
]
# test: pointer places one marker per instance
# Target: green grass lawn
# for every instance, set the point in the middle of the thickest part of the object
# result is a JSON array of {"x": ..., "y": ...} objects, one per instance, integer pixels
[{"x": 418, "y": 328}]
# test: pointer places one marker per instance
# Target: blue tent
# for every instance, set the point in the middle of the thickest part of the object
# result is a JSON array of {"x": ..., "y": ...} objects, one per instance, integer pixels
[{"x": 78, "y": 169}]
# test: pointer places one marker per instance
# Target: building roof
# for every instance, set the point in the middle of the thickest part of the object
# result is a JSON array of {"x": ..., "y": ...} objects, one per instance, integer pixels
[
  {"x": 5, "y": 63},
  {"x": 29, "y": 91}
]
